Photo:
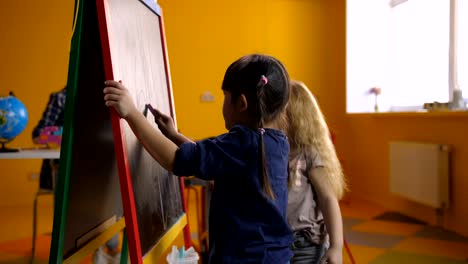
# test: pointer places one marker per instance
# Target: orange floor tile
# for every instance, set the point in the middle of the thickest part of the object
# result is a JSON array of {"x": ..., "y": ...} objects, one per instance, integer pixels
[
  {"x": 362, "y": 255},
  {"x": 433, "y": 247},
  {"x": 387, "y": 227},
  {"x": 356, "y": 208}
]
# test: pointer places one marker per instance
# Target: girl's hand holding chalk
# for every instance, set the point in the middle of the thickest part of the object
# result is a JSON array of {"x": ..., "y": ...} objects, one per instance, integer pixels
[{"x": 165, "y": 122}]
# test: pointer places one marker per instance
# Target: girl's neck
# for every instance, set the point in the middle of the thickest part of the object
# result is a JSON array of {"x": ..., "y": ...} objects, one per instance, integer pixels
[{"x": 272, "y": 125}]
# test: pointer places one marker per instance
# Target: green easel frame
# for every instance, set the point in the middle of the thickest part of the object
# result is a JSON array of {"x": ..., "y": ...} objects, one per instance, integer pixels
[{"x": 66, "y": 158}]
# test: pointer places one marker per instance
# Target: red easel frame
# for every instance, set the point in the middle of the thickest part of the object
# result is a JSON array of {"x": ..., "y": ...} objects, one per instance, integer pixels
[{"x": 126, "y": 185}]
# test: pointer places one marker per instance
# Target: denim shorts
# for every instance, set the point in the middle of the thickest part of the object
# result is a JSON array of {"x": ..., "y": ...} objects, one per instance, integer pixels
[{"x": 305, "y": 251}]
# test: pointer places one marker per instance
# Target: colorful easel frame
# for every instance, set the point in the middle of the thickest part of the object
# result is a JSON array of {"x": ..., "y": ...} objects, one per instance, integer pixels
[
  {"x": 63, "y": 185},
  {"x": 122, "y": 160}
]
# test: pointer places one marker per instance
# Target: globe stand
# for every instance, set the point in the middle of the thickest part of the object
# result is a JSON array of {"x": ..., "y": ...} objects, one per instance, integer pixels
[{"x": 4, "y": 149}]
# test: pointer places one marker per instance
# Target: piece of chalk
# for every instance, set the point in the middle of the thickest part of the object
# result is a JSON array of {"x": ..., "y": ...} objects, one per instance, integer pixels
[{"x": 152, "y": 110}]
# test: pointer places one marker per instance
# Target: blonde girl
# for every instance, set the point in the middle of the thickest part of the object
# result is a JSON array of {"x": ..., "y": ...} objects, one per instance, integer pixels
[{"x": 316, "y": 182}]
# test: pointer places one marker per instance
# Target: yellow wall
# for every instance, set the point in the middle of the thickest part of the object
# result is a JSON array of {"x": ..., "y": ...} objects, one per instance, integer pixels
[
  {"x": 369, "y": 167},
  {"x": 204, "y": 37},
  {"x": 34, "y": 46}
]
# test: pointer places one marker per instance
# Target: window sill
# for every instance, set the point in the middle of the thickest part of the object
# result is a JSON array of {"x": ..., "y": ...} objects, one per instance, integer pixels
[{"x": 413, "y": 114}]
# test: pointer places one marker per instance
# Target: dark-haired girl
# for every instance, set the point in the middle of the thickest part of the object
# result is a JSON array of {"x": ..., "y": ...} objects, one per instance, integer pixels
[{"x": 249, "y": 164}]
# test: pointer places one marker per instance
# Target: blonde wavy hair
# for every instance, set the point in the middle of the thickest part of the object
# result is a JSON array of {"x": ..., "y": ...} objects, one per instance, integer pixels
[{"x": 307, "y": 130}]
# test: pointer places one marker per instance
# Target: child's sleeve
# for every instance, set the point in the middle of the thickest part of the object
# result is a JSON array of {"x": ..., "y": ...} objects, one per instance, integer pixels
[
  {"x": 186, "y": 160},
  {"x": 314, "y": 160},
  {"x": 49, "y": 116},
  {"x": 204, "y": 159}
]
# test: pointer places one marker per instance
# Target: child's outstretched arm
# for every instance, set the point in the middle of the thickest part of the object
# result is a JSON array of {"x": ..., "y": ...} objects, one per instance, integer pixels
[
  {"x": 166, "y": 125},
  {"x": 161, "y": 148},
  {"x": 328, "y": 204}
]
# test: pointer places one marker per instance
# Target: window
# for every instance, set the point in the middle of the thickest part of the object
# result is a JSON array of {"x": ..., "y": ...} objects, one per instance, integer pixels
[
  {"x": 462, "y": 46},
  {"x": 402, "y": 47}
]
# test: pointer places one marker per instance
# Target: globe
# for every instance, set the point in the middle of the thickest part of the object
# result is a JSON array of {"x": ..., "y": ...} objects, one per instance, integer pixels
[{"x": 13, "y": 119}]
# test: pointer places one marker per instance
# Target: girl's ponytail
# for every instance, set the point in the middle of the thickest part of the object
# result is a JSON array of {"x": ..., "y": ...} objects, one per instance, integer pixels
[
  {"x": 264, "y": 81},
  {"x": 263, "y": 171}
]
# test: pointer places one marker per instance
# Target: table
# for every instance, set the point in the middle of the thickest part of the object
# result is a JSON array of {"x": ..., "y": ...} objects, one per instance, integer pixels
[{"x": 32, "y": 153}]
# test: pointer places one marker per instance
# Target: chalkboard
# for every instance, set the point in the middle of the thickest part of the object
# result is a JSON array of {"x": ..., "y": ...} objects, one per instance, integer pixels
[
  {"x": 135, "y": 54},
  {"x": 105, "y": 173}
]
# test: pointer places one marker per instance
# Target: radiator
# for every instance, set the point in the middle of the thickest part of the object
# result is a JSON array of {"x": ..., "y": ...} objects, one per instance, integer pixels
[{"x": 420, "y": 172}]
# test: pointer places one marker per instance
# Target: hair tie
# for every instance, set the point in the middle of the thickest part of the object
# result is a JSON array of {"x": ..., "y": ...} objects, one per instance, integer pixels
[
  {"x": 261, "y": 130},
  {"x": 264, "y": 79}
]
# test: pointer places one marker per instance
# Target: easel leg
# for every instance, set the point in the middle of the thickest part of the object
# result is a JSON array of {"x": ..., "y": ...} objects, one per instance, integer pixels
[{"x": 124, "y": 252}]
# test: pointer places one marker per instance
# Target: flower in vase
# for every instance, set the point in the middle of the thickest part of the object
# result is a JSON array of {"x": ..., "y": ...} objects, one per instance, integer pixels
[{"x": 375, "y": 91}]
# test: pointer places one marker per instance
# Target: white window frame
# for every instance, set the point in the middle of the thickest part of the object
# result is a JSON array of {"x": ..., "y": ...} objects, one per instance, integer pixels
[
  {"x": 452, "y": 59},
  {"x": 453, "y": 74}
]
